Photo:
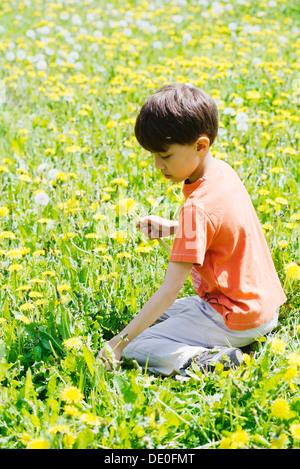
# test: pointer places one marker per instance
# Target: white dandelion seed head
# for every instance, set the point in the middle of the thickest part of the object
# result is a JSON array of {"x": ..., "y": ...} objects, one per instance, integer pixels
[
  {"x": 41, "y": 198},
  {"x": 52, "y": 174},
  {"x": 242, "y": 126},
  {"x": 43, "y": 167},
  {"x": 241, "y": 117}
]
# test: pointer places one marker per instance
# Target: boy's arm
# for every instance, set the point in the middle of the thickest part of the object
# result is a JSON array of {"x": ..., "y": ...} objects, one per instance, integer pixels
[
  {"x": 160, "y": 301},
  {"x": 154, "y": 226}
]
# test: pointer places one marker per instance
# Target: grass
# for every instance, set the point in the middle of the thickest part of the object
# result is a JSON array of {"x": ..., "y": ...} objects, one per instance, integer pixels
[{"x": 73, "y": 273}]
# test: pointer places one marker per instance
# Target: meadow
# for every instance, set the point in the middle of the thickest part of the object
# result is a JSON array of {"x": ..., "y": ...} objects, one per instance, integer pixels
[{"x": 75, "y": 269}]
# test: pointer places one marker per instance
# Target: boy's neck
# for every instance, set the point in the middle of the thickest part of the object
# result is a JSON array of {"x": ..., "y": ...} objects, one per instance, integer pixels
[{"x": 207, "y": 163}]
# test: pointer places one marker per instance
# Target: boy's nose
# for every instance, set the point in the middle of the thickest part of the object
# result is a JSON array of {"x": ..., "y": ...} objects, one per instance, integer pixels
[{"x": 159, "y": 164}]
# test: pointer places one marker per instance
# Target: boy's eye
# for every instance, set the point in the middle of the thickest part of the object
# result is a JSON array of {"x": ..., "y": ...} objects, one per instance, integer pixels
[{"x": 164, "y": 157}]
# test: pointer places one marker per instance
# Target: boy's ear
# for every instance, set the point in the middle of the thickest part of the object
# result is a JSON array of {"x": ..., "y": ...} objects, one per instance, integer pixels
[{"x": 203, "y": 143}]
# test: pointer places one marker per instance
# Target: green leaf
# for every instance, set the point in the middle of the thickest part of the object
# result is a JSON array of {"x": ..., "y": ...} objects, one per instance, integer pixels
[
  {"x": 90, "y": 360},
  {"x": 51, "y": 386},
  {"x": 2, "y": 351},
  {"x": 29, "y": 391},
  {"x": 5, "y": 311},
  {"x": 84, "y": 439},
  {"x": 128, "y": 394}
]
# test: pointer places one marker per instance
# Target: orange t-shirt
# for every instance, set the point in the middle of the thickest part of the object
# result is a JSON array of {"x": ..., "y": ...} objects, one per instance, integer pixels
[{"x": 219, "y": 232}]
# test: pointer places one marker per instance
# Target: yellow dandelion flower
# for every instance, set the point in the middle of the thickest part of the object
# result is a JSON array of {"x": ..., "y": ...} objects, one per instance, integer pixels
[
  {"x": 61, "y": 177},
  {"x": 2, "y": 320},
  {"x": 226, "y": 443},
  {"x": 23, "y": 288},
  {"x": 45, "y": 221},
  {"x": 49, "y": 151},
  {"x": 68, "y": 441},
  {"x": 295, "y": 216},
  {"x": 70, "y": 235},
  {"x": 280, "y": 408},
  {"x": 276, "y": 170},
  {"x": 99, "y": 216},
  {"x": 292, "y": 270},
  {"x": 295, "y": 431},
  {"x": 113, "y": 275},
  {"x": 120, "y": 182},
  {"x": 152, "y": 201},
  {"x": 110, "y": 124},
  {"x": 38, "y": 443},
  {"x": 48, "y": 273},
  {"x": 94, "y": 206},
  {"x": 277, "y": 346},
  {"x": 107, "y": 257},
  {"x": 64, "y": 287},
  {"x": 15, "y": 268},
  {"x": 280, "y": 442},
  {"x": 71, "y": 394},
  {"x": 36, "y": 280},
  {"x": 72, "y": 343},
  {"x": 23, "y": 131},
  {"x": 105, "y": 197},
  {"x": 263, "y": 192},
  {"x": 7, "y": 235},
  {"x": 26, "y": 307},
  {"x": 25, "y": 438},
  {"x": 58, "y": 429},
  {"x": 25, "y": 178},
  {"x": 121, "y": 255},
  {"x": 89, "y": 419},
  {"x": 83, "y": 112},
  {"x": 100, "y": 249},
  {"x": 247, "y": 359},
  {"x": 283, "y": 244},
  {"x": 240, "y": 438},
  {"x": 253, "y": 94},
  {"x": 294, "y": 359},
  {"x": 267, "y": 226},
  {"x": 18, "y": 252},
  {"x": 39, "y": 252},
  {"x": 124, "y": 206},
  {"x": 290, "y": 374},
  {"x": 281, "y": 200},
  {"x": 4, "y": 211},
  {"x": 24, "y": 319},
  {"x": 72, "y": 149},
  {"x": 119, "y": 236},
  {"x": 35, "y": 294},
  {"x": 41, "y": 302},
  {"x": 291, "y": 226},
  {"x": 71, "y": 410},
  {"x": 143, "y": 249},
  {"x": 91, "y": 236}
]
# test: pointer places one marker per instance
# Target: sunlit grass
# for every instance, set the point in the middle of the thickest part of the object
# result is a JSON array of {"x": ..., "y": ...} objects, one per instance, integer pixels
[{"x": 74, "y": 270}]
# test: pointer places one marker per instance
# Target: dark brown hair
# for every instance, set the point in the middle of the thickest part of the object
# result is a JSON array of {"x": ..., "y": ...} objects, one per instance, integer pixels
[{"x": 176, "y": 114}]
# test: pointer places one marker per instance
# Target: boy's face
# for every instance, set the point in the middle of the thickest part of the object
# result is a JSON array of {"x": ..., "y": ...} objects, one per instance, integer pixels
[{"x": 183, "y": 162}]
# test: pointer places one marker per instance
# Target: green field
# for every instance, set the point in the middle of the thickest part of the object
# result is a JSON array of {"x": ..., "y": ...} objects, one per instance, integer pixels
[{"x": 75, "y": 271}]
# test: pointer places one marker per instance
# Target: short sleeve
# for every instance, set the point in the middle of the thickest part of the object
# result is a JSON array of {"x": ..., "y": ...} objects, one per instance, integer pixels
[{"x": 192, "y": 236}]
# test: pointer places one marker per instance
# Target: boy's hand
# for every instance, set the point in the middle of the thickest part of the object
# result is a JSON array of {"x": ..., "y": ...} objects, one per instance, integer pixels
[
  {"x": 157, "y": 227},
  {"x": 109, "y": 357}
]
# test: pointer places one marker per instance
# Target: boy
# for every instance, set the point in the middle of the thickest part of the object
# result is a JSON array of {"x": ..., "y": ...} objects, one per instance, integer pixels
[{"x": 218, "y": 239}]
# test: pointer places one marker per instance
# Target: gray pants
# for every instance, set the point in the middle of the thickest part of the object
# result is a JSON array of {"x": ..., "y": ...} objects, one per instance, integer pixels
[{"x": 189, "y": 327}]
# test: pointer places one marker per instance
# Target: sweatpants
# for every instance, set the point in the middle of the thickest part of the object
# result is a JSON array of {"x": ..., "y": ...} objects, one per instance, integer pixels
[{"x": 188, "y": 328}]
